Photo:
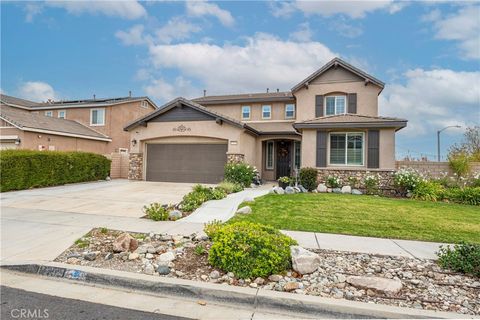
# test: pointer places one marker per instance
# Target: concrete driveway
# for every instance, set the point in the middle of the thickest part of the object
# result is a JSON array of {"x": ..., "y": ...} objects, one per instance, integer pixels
[{"x": 113, "y": 198}]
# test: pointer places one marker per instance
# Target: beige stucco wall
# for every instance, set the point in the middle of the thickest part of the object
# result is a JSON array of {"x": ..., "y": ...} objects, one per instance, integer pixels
[
  {"x": 235, "y": 110},
  {"x": 386, "y": 147},
  {"x": 116, "y": 117},
  {"x": 367, "y": 95}
]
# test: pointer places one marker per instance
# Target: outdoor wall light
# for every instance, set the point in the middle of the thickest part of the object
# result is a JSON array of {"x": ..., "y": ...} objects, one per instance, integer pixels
[
  {"x": 134, "y": 142},
  {"x": 17, "y": 141}
]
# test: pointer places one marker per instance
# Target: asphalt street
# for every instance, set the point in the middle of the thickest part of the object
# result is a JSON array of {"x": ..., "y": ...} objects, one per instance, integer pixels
[{"x": 21, "y": 304}]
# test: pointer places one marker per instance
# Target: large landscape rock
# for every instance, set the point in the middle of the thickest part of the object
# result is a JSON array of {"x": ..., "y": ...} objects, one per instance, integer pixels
[
  {"x": 166, "y": 257},
  {"x": 346, "y": 189},
  {"x": 278, "y": 190},
  {"x": 125, "y": 242},
  {"x": 244, "y": 210},
  {"x": 304, "y": 261},
  {"x": 383, "y": 285},
  {"x": 357, "y": 192},
  {"x": 322, "y": 188},
  {"x": 289, "y": 190},
  {"x": 175, "y": 215}
]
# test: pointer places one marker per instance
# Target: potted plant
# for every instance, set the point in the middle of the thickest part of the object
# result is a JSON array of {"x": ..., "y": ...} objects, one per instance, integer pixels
[{"x": 283, "y": 182}]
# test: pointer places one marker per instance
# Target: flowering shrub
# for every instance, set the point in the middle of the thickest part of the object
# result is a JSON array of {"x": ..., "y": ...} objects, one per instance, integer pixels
[
  {"x": 240, "y": 173},
  {"x": 405, "y": 180},
  {"x": 156, "y": 211},
  {"x": 333, "y": 182},
  {"x": 475, "y": 180},
  {"x": 285, "y": 180},
  {"x": 463, "y": 257},
  {"x": 371, "y": 184},
  {"x": 353, "y": 182}
]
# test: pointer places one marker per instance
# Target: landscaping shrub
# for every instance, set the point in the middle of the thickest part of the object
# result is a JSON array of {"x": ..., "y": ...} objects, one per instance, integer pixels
[
  {"x": 156, "y": 211},
  {"x": 333, "y": 182},
  {"x": 230, "y": 187},
  {"x": 467, "y": 195},
  {"x": 464, "y": 257},
  {"x": 199, "y": 195},
  {"x": 459, "y": 163},
  {"x": 249, "y": 250},
  {"x": 308, "y": 178},
  {"x": 353, "y": 182},
  {"x": 405, "y": 180},
  {"x": 427, "y": 190},
  {"x": 24, "y": 169},
  {"x": 240, "y": 173},
  {"x": 371, "y": 184}
]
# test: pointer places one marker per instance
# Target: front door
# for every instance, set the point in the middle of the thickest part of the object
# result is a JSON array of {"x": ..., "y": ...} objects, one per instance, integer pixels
[{"x": 284, "y": 158}]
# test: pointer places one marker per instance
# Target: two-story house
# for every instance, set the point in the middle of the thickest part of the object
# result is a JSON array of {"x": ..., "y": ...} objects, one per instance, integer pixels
[
  {"x": 73, "y": 125},
  {"x": 329, "y": 121}
]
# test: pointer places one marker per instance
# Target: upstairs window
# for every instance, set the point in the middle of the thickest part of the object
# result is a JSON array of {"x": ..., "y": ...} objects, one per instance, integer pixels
[
  {"x": 49, "y": 113},
  {"x": 144, "y": 104},
  {"x": 266, "y": 112},
  {"x": 335, "y": 105},
  {"x": 289, "y": 111},
  {"x": 245, "y": 112},
  {"x": 97, "y": 117},
  {"x": 62, "y": 114}
]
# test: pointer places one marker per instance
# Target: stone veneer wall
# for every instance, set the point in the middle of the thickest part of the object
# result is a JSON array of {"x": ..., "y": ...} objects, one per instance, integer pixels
[
  {"x": 385, "y": 178},
  {"x": 235, "y": 157},
  {"x": 135, "y": 166}
]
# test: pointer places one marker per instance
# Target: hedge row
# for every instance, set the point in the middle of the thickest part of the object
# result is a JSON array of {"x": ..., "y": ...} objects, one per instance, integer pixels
[{"x": 25, "y": 169}]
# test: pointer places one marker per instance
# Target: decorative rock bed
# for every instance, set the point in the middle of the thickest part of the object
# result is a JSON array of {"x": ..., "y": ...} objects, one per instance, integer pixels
[{"x": 387, "y": 280}]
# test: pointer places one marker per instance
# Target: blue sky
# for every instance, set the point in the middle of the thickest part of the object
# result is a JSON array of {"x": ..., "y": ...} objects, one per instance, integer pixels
[{"x": 428, "y": 53}]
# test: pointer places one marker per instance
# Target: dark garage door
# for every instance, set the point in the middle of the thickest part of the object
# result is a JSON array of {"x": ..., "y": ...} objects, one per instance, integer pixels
[{"x": 186, "y": 162}]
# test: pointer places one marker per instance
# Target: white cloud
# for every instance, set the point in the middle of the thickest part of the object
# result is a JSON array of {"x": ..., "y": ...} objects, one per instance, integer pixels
[
  {"x": 354, "y": 8},
  {"x": 432, "y": 99},
  {"x": 37, "y": 91},
  {"x": 463, "y": 26},
  {"x": 176, "y": 29},
  {"x": 165, "y": 91},
  {"x": 127, "y": 9},
  {"x": 303, "y": 34},
  {"x": 203, "y": 8},
  {"x": 263, "y": 61},
  {"x": 133, "y": 36},
  {"x": 345, "y": 29}
]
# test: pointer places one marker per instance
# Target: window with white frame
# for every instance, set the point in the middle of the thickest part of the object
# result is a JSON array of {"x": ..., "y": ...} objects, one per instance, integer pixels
[
  {"x": 289, "y": 111},
  {"x": 335, "y": 105},
  {"x": 297, "y": 152},
  {"x": 346, "y": 148},
  {"x": 62, "y": 114},
  {"x": 49, "y": 113},
  {"x": 97, "y": 117},
  {"x": 144, "y": 104},
  {"x": 269, "y": 156},
  {"x": 266, "y": 112},
  {"x": 245, "y": 112}
]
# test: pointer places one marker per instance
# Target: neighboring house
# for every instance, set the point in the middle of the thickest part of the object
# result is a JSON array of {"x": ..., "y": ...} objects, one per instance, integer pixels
[
  {"x": 329, "y": 121},
  {"x": 25, "y": 130},
  {"x": 104, "y": 116}
]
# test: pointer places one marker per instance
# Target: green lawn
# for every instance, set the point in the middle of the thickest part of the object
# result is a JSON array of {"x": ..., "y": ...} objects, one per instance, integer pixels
[{"x": 368, "y": 216}]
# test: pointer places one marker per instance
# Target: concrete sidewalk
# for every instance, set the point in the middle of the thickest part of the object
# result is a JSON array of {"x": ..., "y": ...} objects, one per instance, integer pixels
[
  {"x": 381, "y": 246},
  {"x": 225, "y": 209}
]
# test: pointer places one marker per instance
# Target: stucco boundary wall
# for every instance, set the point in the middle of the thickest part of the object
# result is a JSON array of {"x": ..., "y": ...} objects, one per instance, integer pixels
[
  {"x": 120, "y": 165},
  {"x": 434, "y": 169}
]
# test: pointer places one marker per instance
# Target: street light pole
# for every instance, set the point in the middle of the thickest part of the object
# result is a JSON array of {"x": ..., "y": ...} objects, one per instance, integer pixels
[{"x": 438, "y": 139}]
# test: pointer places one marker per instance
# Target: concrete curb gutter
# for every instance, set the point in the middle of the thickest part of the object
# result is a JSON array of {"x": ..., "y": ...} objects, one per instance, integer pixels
[{"x": 261, "y": 300}]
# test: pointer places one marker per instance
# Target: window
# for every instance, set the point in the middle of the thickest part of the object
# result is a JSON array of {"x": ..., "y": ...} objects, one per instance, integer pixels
[
  {"x": 49, "y": 113},
  {"x": 144, "y": 104},
  {"x": 62, "y": 114},
  {"x": 297, "y": 152},
  {"x": 346, "y": 148},
  {"x": 245, "y": 112},
  {"x": 289, "y": 111},
  {"x": 266, "y": 112},
  {"x": 97, "y": 117},
  {"x": 334, "y": 105},
  {"x": 269, "y": 156}
]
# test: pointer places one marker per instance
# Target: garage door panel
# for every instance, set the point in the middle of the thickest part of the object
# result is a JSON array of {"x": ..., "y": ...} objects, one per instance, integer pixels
[{"x": 203, "y": 163}]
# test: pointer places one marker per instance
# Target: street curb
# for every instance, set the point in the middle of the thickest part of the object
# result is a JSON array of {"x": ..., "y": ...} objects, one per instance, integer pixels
[{"x": 262, "y": 300}]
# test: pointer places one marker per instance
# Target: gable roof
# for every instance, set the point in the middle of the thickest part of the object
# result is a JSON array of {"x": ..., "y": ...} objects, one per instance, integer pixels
[
  {"x": 66, "y": 104},
  {"x": 334, "y": 63},
  {"x": 27, "y": 121},
  {"x": 246, "y": 98},
  {"x": 349, "y": 120},
  {"x": 182, "y": 101}
]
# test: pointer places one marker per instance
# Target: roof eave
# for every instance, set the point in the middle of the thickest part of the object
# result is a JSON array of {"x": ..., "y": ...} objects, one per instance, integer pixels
[{"x": 335, "y": 125}]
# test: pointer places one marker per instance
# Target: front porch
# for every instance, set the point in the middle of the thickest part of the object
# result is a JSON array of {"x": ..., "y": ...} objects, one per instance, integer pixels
[{"x": 280, "y": 157}]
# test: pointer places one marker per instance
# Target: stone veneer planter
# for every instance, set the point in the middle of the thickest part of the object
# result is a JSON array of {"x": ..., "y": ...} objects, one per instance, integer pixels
[
  {"x": 235, "y": 157},
  {"x": 385, "y": 178}
]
